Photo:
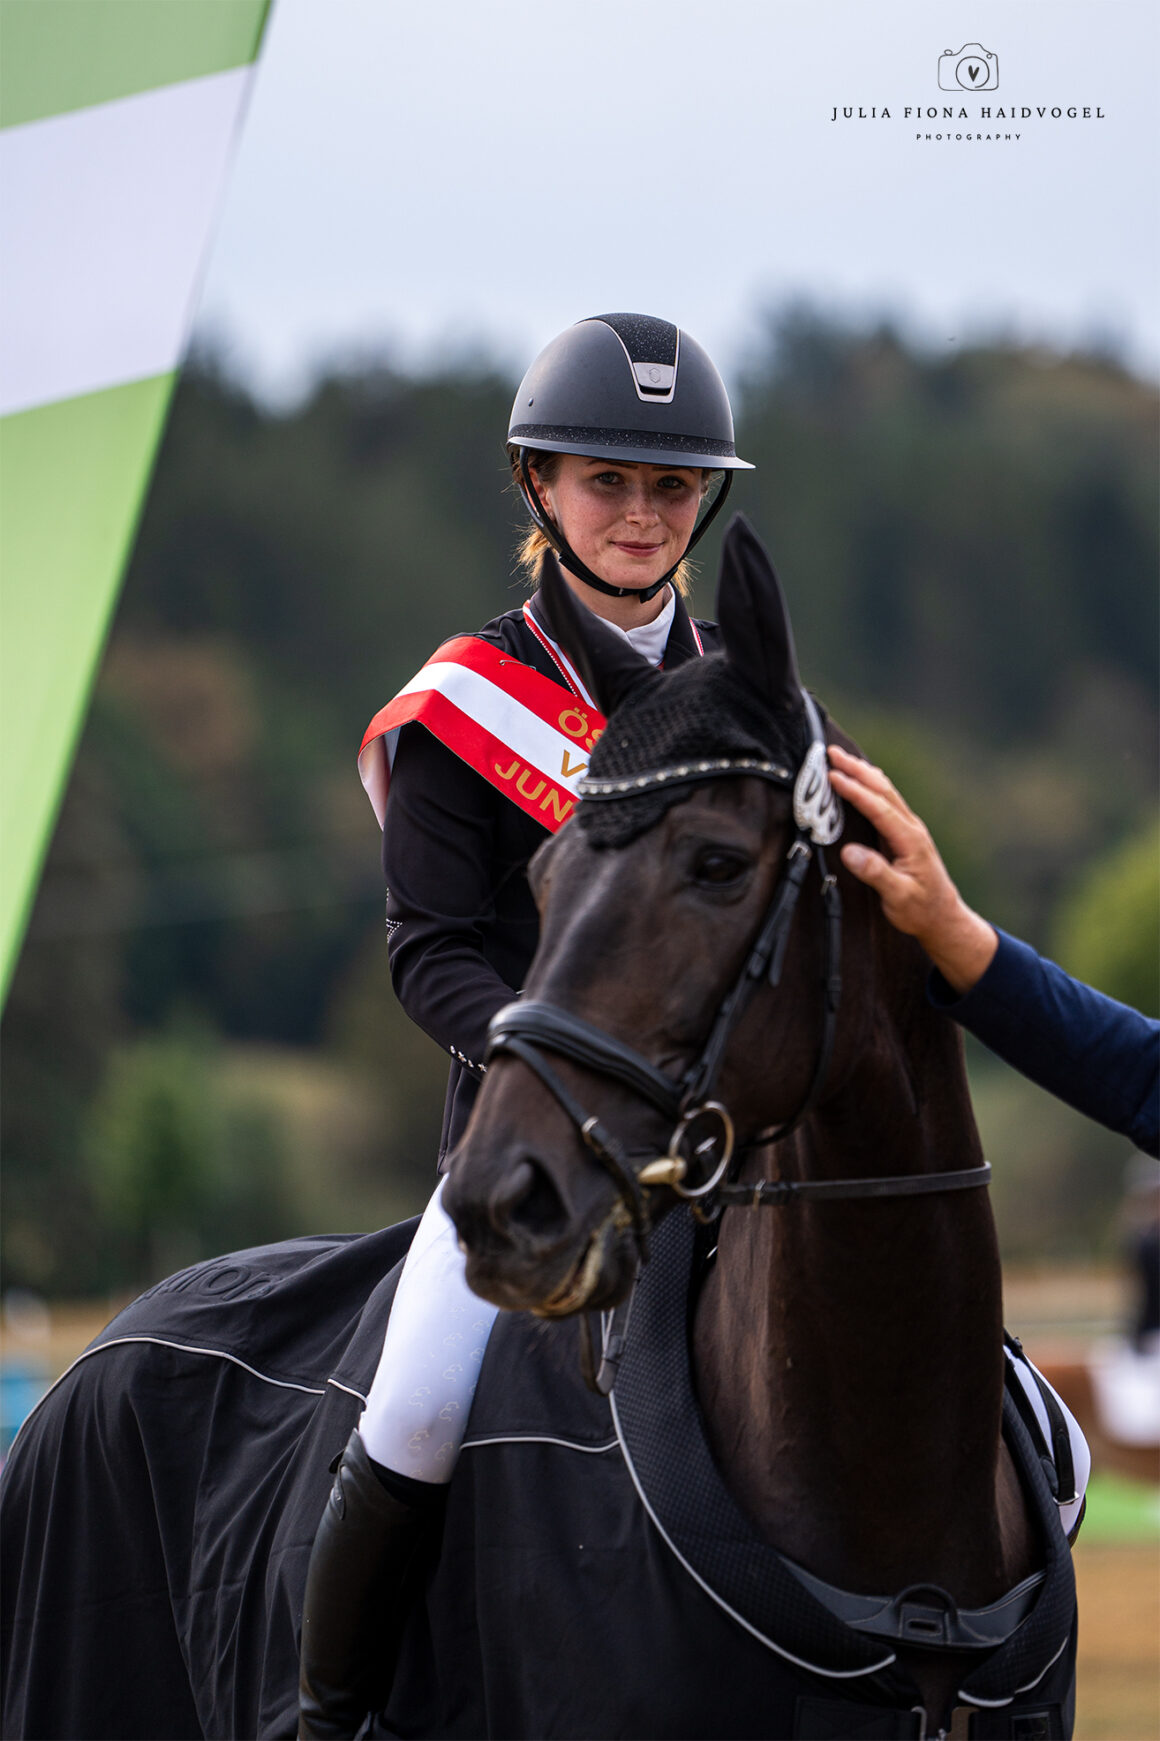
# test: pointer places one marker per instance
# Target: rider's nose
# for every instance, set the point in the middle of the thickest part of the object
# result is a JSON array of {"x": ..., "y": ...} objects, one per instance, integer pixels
[
  {"x": 641, "y": 507},
  {"x": 525, "y": 1199}
]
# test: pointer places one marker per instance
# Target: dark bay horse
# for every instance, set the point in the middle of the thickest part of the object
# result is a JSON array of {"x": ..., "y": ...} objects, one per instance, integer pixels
[
  {"x": 807, "y": 1507},
  {"x": 846, "y": 1353}
]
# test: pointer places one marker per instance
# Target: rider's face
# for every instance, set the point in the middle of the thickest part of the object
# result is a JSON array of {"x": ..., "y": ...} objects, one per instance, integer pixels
[{"x": 628, "y": 523}]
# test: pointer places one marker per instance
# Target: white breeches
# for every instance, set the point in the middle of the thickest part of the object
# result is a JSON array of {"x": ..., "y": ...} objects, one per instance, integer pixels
[{"x": 420, "y": 1398}]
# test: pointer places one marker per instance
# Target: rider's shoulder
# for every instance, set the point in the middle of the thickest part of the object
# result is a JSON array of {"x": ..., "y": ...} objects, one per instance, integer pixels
[
  {"x": 509, "y": 631},
  {"x": 511, "y": 634}
]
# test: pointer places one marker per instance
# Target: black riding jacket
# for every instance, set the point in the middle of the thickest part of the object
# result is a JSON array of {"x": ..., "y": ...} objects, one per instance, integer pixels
[{"x": 461, "y": 919}]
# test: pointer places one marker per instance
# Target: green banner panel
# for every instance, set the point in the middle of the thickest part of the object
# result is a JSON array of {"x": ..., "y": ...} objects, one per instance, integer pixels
[
  {"x": 58, "y": 55},
  {"x": 72, "y": 480}
]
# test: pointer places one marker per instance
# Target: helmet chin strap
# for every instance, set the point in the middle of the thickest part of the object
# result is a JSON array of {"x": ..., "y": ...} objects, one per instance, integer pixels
[{"x": 572, "y": 562}]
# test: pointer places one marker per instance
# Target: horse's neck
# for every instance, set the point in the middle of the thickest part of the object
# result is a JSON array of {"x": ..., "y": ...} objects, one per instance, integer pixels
[{"x": 849, "y": 1356}]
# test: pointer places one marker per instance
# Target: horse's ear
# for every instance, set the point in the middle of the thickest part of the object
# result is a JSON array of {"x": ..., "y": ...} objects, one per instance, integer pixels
[
  {"x": 610, "y": 668},
  {"x": 754, "y": 621}
]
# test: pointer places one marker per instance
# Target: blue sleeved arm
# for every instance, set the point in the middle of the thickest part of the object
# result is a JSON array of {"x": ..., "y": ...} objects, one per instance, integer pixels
[{"x": 1096, "y": 1054}]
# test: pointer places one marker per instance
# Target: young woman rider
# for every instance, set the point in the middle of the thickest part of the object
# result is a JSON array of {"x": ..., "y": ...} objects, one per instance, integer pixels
[{"x": 616, "y": 434}]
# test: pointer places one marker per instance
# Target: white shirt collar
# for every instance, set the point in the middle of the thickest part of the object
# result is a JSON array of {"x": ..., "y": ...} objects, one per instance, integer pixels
[{"x": 652, "y": 638}]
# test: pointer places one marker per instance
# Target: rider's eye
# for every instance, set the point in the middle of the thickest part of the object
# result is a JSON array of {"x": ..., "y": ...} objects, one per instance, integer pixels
[{"x": 718, "y": 868}]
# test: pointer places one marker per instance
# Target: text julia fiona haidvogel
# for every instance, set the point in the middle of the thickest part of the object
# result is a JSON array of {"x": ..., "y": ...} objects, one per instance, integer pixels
[{"x": 1074, "y": 112}]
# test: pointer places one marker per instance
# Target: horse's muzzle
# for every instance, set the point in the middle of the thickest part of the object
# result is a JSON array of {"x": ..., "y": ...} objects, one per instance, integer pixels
[{"x": 526, "y": 1250}]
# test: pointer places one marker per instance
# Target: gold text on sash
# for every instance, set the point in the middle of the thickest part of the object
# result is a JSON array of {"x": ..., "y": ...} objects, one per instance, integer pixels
[
  {"x": 535, "y": 789},
  {"x": 578, "y": 725}
]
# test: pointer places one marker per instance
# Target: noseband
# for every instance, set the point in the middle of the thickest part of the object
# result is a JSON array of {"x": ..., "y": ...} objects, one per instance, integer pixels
[{"x": 701, "y": 1162}]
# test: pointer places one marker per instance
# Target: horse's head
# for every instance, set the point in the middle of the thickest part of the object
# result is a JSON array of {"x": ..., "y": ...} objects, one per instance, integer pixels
[{"x": 702, "y": 798}]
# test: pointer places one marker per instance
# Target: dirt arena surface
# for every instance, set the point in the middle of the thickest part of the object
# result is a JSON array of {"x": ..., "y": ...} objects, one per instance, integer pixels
[
  {"x": 1118, "y": 1697},
  {"x": 1053, "y": 1305},
  {"x": 55, "y": 1341}
]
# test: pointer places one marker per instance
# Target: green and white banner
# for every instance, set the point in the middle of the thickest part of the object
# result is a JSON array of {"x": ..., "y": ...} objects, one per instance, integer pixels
[{"x": 117, "y": 122}]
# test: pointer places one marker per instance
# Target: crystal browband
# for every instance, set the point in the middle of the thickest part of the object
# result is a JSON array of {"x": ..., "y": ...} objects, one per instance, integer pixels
[{"x": 683, "y": 772}]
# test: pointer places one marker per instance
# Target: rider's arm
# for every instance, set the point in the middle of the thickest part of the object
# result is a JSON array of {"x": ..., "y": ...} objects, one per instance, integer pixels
[
  {"x": 1096, "y": 1054},
  {"x": 461, "y": 921}
]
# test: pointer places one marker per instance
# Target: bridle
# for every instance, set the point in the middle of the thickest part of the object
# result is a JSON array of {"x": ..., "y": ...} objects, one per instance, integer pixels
[
  {"x": 527, "y": 1029},
  {"x": 702, "y": 1160}
]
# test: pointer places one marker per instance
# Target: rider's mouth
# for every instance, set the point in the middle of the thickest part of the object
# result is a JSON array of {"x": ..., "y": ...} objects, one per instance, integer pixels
[{"x": 641, "y": 550}]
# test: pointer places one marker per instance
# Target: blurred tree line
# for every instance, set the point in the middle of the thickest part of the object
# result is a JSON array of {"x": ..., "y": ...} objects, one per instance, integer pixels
[{"x": 201, "y": 1049}]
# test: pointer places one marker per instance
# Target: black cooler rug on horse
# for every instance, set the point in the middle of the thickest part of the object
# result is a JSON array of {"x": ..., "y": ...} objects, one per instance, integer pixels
[
  {"x": 595, "y": 1579},
  {"x": 159, "y": 1506}
]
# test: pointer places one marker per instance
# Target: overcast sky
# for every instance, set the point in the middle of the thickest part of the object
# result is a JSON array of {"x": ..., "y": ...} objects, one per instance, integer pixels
[{"x": 423, "y": 177}]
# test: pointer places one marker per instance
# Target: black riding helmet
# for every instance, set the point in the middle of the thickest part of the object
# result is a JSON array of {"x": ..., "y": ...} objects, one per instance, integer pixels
[{"x": 628, "y": 387}]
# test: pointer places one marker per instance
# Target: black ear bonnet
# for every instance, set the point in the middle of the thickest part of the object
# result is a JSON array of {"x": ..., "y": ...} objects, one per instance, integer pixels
[
  {"x": 704, "y": 712},
  {"x": 742, "y": 711}
]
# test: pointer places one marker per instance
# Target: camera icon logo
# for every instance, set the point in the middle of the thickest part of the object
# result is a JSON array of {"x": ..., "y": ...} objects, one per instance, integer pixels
[{"x": 970, "y": 68}]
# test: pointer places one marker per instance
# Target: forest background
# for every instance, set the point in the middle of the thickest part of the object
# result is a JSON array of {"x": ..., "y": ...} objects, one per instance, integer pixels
[{"x": 201, "y": 1049}]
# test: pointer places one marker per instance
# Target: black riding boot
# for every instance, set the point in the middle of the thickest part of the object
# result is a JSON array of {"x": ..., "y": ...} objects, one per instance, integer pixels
[{"x": 366, "y": 1544}]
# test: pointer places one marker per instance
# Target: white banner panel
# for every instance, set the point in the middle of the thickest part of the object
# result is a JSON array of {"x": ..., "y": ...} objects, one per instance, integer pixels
[{"x": 104, "y": 218}]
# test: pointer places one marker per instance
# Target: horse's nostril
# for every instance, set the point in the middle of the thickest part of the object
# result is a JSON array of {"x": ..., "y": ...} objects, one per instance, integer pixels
[{"x": 527, "y": 1199}]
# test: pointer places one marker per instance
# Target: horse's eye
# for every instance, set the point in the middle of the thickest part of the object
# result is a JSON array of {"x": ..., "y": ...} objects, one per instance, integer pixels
[{"x": 718, "y": 867}]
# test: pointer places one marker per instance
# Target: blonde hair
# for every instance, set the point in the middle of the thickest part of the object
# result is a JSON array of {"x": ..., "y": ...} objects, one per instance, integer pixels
[{"x": 533, "y": 542}]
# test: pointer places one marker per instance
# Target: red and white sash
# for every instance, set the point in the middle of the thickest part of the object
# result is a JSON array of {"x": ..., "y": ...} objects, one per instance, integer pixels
[{"x": 529, "y": 738}]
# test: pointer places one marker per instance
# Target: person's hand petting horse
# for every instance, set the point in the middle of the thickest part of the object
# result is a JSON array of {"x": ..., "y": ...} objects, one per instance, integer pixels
[{"x": 918, "y": 895}]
